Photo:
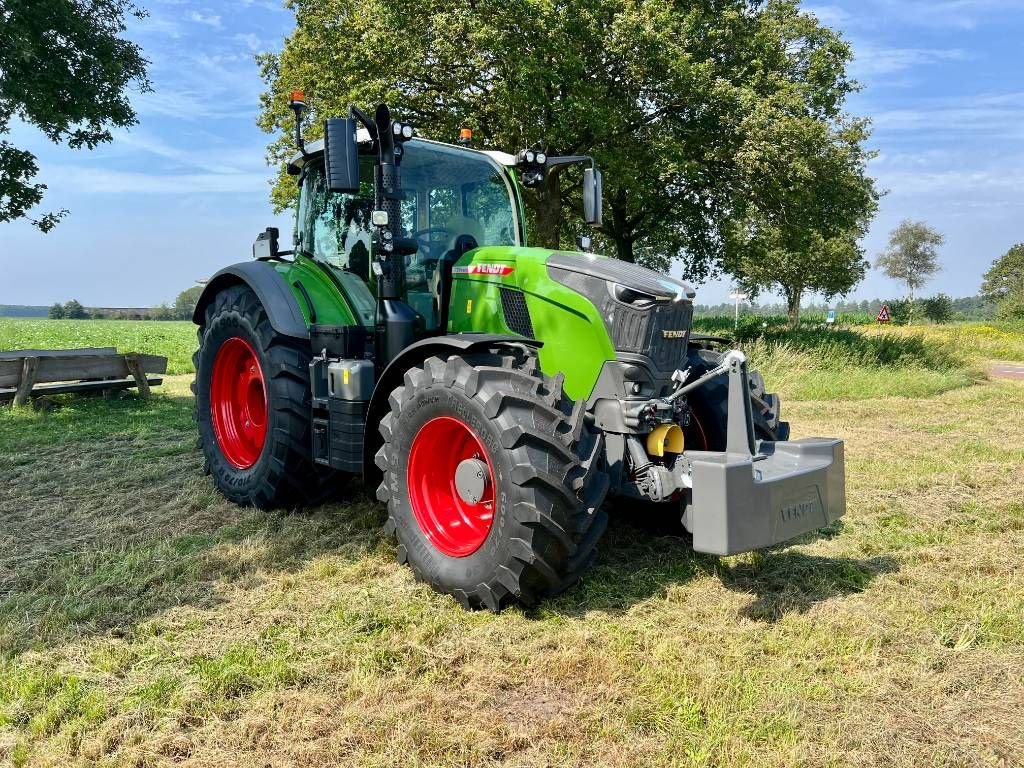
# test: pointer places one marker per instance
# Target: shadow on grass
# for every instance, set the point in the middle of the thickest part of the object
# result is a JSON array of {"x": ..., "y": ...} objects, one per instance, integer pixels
[
  {"x": 789, "y": 581},
  {"x": 641, "y": 560},
  {"x": 105, "y": 526}
]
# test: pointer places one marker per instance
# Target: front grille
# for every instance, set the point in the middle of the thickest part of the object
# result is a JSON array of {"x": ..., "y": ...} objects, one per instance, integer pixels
[
  {"x": 517, "y": 314},
  {"x": 643, "y": 332}
]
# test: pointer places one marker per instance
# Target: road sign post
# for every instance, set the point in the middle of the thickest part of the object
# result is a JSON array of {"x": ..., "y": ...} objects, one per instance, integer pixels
[{"x": 737, "y": 296}]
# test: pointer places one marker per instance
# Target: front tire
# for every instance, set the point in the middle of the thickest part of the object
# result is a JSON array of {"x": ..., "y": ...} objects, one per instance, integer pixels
[
  {"x": 252, "y": 400},
  {"x": 709, "y": 407},
  {"x": 491, "y": 480}
]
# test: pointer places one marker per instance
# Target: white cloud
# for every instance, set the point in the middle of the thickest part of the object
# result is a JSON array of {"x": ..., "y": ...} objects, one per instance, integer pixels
[
  {"x": 250, "y": 40},
  {"x": 210, "y": 20},
  {"x": 875, "y": 60},
  {"x": 986, "y": 117},
  {"x": 102, "y": 181}
]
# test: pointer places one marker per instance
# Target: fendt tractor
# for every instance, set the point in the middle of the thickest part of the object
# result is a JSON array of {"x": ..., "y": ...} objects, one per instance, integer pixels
[{"x": 496, "y": 395}]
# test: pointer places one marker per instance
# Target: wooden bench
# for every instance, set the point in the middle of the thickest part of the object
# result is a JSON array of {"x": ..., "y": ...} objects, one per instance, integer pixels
[{"x": 28, "y": 372}]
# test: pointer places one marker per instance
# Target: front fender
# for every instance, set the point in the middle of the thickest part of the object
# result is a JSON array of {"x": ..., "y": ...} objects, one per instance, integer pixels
[{"x": 269, "y": 286}]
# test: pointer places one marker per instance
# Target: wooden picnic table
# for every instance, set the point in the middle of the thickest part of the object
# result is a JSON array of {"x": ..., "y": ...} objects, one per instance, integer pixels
[{"x": 25, "y": 373}]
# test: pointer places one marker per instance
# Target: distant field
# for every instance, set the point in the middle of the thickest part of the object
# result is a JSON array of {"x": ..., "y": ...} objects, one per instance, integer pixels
[{"x": 175, "y": 340}]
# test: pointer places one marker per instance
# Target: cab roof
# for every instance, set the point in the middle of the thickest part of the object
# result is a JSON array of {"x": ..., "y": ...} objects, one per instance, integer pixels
[{"x": 316, "y": 148}]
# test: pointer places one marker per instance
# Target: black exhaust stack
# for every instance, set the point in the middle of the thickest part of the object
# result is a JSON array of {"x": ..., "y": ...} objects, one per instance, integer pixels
[{"x": 396, "y": 320}]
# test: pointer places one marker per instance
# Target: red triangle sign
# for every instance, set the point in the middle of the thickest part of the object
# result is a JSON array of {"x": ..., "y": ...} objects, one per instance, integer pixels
[{"x": 883, "y": 316}]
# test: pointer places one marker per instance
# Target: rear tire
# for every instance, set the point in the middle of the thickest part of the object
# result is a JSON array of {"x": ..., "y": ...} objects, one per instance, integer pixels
[
  {"x": 545, "y": 491},
  {"x": 252, "y": 406}
]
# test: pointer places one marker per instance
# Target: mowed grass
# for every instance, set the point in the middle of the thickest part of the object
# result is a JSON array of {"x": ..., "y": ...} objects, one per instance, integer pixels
[
  {"x": 174, "y": 340},
  {"x": 144, "y": 621}
]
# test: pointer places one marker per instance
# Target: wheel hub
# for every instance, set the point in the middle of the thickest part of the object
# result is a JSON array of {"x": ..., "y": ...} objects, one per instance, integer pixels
[
  {"x": 471, "y": 480},
  {"x": 451, "y": 486}
]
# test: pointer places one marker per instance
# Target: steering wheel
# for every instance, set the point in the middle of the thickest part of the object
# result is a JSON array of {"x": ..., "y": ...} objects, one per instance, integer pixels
[{"x": 433, "y": 240}]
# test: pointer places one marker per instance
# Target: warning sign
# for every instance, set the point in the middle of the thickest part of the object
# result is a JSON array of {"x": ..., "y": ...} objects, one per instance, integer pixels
[{"x": 883, "y": 316}]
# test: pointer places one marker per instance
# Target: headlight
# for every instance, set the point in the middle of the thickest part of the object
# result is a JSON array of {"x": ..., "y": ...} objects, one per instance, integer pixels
[{"x": 542, "y": 158}]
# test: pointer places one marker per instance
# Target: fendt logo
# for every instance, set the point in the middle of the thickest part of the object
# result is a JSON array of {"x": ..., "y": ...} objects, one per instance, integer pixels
[
  {"x": 501, "y": 270},
  {"x": 798, "y": 510},
  {"x": 673, "y": 334}
]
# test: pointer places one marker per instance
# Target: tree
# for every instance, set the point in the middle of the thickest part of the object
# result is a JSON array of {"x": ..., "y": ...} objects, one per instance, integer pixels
[
  {"x": 658, "y": 92},
  {"x": 73, "y": 310},
  {"x": 186, "y": 302},
  {"x": 938, "y": 309},
  {"x": 912, "y": 257},
  {"x": 64, "y": 68},
  {"x": 900, "y": 311},
  {"x": 800, "y": 227},
  {"x": 56, "y": 311},
  {"x": 1004, "y": 283}
]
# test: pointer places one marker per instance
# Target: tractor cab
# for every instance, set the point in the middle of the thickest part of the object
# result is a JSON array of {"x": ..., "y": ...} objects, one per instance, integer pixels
[{"x": 452, "y": 200}]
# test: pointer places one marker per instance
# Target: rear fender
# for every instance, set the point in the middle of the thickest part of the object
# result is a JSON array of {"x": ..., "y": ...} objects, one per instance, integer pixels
[{"x": 270, "y": 287}]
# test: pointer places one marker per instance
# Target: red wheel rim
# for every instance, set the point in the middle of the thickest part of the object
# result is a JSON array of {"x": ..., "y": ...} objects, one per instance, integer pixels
[
  {"x": 703, "y": 437},
  {"x": 238, "y": 403},
  {"x": 451, "y": 524}
]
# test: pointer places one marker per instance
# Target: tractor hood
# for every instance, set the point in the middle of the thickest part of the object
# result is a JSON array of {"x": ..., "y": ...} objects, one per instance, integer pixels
[{"x": 640, "y": 281}]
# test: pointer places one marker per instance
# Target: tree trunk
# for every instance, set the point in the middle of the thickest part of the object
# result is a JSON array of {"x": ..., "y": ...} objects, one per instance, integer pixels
[
  {"x": 793, "y": 296},
  {"x": 624, "y": 249},
  {"x": 546, "y": 203}
]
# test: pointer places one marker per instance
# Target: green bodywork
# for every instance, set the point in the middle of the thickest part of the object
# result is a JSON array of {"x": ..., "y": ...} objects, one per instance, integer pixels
[
  {"x": 575, "y": 340},
  {"x": 334, "y": 296}
]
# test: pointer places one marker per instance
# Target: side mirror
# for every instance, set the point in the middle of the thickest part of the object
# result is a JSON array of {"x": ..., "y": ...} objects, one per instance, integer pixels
[
  {"x": 341, "y": 155},
  {"x": 266, "y": 246},
  {"x": 592, "y": 200}
]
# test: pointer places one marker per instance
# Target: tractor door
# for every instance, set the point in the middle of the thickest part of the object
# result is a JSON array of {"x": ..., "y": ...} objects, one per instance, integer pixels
[{"x": 334, "y": 230}]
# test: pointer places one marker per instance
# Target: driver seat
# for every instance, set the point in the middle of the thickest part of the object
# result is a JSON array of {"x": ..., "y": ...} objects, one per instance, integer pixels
[{"x": 467, "y": 237}]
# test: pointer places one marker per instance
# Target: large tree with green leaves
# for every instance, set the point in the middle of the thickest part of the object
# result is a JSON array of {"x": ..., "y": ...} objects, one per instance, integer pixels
[
  {"x": 64, "y": 68},
  {"x": 1004, "y": 283},
  {"x": 799, "y": 228},
  {"x": 660, "y": 92}
]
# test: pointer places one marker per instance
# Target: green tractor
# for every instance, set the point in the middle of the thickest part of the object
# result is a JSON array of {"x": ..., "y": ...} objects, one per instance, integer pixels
[{"x": 496, "y": 395}]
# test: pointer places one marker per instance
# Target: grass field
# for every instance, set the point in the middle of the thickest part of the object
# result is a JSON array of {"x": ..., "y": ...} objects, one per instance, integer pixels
[
  {"x": 174, "y": 340},
  {"x": 143, "y": 621}
]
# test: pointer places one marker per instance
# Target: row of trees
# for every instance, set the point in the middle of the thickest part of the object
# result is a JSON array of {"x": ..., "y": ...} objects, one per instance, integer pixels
[
  {"x": 181, "y": 309},
  {"x": 937, "y": 309}
]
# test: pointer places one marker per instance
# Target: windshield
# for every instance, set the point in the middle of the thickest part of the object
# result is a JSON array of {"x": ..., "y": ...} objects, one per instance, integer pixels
[{"x": 459, "y": 192}]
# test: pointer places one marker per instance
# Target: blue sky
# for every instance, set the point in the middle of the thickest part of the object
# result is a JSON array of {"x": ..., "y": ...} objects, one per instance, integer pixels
[{"x": 186, "y": 191}]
